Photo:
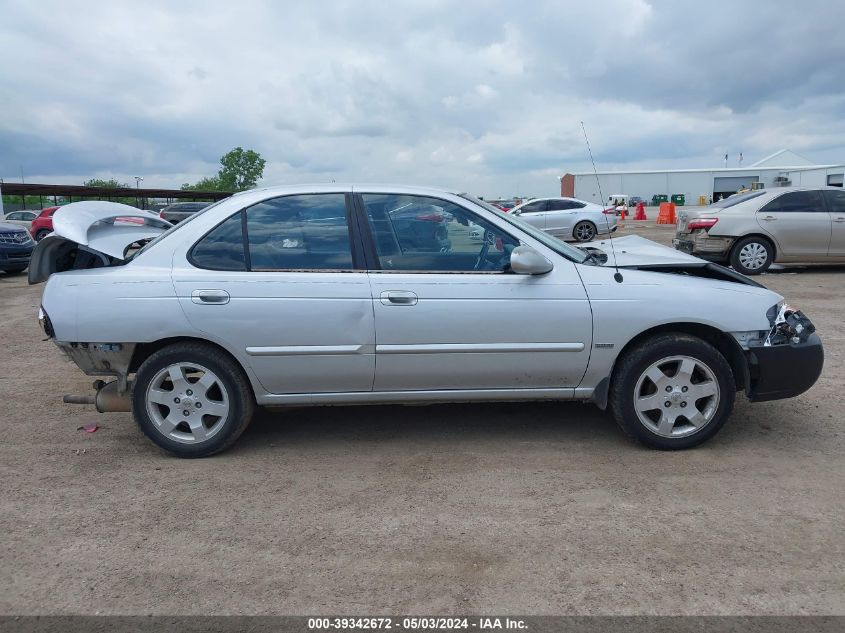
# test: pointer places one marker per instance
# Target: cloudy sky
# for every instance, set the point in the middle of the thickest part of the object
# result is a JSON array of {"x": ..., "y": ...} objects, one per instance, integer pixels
[{"x": 486, "y": 96}]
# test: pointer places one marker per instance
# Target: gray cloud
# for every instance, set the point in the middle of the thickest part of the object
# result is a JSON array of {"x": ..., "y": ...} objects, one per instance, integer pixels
[{"x": 485, "y": 96}]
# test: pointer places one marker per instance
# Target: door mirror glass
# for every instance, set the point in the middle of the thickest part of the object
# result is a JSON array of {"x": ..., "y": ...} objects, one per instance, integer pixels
[{"x": 527, "y": 261}]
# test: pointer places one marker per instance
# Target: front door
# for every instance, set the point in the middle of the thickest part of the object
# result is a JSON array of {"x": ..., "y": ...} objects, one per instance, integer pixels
[
  {"x": 456, "y": 318},
  {"x": 291, "y": 304},
  {"x": 835, "y": 199},
  {"x": 799, "y": 222},
  {"x": 535, "y": 213}
]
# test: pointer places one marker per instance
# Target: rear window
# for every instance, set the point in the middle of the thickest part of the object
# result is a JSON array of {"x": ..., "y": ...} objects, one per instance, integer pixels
[{"x": 736, "y": 199}]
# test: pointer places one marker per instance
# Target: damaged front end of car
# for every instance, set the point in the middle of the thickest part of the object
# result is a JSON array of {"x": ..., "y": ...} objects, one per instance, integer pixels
[{"x": 786, "y": 360}]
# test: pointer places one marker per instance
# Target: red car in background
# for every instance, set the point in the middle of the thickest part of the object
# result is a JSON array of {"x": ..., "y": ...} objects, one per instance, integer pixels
[{"x": 43, "y": 224}]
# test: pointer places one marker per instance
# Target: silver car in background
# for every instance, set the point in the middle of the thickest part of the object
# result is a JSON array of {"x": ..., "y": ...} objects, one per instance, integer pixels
[
  {"x": 310, "y": 295},
  {"x": 569, "y": 219},
  {"x": 752, "y": 230}
]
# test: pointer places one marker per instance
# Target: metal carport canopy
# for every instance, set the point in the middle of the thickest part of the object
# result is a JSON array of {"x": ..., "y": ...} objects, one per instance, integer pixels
[{"x": 81, "y": 191}]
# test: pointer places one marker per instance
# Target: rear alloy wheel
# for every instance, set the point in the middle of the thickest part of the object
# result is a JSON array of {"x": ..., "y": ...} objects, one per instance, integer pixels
[
  {"x": 752, "y": 255},
  {"x": 673, "y": 391},
  {"x": 191, "y": 399},
  {"x": 584, "y": 231}
]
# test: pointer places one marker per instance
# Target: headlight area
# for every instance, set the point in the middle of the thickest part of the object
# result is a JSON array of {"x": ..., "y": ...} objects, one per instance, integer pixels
[
  {"x": 789, "y": 325},
  {"x": 784, "y": 361}
]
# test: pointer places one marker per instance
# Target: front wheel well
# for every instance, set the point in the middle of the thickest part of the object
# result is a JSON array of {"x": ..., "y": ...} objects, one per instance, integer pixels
[{"x": 724, "y": 343}]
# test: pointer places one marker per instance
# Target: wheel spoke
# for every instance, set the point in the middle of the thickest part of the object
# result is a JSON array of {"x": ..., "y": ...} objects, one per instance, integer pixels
[
  {"x": 206, "y": 382},
  {"x": 702, "y": 390},
  {"x": 684, "y": 374},
  {"x": 177, "y": 377},
  {"x": 656, "y": 376},
  {"x": 696, "y": 418},
  {"x": 198, "y": 429},
  {"x": 169, "y": 423},
  {"x": 667, "y": 423},
  {"x": 220, "y": 409},
  {"x": 159, "y": 396},
  {"x": 650, "y": 403}
]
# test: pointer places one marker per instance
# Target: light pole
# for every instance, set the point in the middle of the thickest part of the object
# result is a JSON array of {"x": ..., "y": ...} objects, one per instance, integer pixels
[{"x": 138, "y": 181}]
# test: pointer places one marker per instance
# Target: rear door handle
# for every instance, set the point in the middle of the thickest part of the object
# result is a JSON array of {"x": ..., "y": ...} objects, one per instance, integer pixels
[
  {"x": 768, "y": 218},
  {"x": 839, "y": 220},
  {"x": 399, "y": 298},
  {"x": 212, "y": 297}
]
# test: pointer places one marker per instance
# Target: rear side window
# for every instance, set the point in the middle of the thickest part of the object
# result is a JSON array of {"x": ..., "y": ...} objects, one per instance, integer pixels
[
  {"x": 308, "y": 232},
  {"x": 223, "y": 247},
  {"x": 796, "y": 202}
]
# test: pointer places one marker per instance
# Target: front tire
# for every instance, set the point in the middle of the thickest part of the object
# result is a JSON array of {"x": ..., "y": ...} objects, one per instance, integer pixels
[
  {"x": 41, "y": 234},
  {"x": 192, "y": 399},
  {"x": 584, "y": 231},
  {"x": 672, "y": 391},
  {"x": 752, "y": 255}
]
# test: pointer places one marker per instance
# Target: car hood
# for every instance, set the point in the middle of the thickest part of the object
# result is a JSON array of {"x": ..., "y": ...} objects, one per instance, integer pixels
[
  {"x": 103, "y": 229},
  {"x": 635, "y": 251}
]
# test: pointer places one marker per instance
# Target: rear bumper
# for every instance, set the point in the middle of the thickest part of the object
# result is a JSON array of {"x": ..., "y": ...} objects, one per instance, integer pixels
[
  {"x": 784, "y": 371},
  {"x": 702, "y": 245}
]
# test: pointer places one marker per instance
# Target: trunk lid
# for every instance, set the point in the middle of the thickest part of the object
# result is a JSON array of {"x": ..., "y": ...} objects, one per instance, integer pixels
[{"x": 92, "y": 234}]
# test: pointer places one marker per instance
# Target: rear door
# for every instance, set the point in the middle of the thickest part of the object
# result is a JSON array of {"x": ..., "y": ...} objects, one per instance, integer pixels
[
  {"x": 458, "y": 319},
  {"x": 560, "y": 216},
  {"x": 535, "y": 213},
  {"x": 799, "y": 222},
  {"x": 279, "y": 283},
  {"x": 835, "y": 199}
]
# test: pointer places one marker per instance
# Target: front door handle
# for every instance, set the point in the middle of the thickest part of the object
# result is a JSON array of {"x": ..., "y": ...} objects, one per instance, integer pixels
[
  {"x": 211, "y": 297},
  {"x": 399, "y": 298},
  {"x": 839, "y": 220},
  {"x": 769, "y": 218}
]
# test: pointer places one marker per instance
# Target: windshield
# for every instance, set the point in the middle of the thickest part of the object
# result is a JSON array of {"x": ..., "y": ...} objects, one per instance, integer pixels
[
  {"x": 175, "y": 227},
  {"x": 558, "y": 246}
]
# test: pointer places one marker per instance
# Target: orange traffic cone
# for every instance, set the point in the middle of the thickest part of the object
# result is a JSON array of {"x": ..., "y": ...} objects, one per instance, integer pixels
[
  {"x": 622, "y": 214},
  {"x": 640, "y": 214}
]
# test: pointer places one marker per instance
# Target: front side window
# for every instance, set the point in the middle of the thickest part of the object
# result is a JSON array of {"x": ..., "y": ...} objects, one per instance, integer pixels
[
  {"x": 422, "y": 234},
  {"x": 307, "y": 232},
  {"x": 534, "y": 207},
  {"x": 835, "y": 201}
]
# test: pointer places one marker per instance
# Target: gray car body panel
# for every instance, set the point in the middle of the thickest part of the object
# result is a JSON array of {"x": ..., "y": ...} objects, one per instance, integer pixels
[{"x": 327, "y": 337}]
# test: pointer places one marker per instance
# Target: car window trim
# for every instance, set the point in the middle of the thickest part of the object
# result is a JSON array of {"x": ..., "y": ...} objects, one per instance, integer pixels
[
  {"x": 372, "y": 253},
  {"x": 353, "y": 239}
]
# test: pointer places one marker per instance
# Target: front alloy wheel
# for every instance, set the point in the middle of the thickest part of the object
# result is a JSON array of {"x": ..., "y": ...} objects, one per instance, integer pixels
[{"x": 672, "y": 391}]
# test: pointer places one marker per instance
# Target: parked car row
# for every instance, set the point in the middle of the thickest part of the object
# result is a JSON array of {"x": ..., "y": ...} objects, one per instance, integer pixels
[{"x": 340, "y": 296}]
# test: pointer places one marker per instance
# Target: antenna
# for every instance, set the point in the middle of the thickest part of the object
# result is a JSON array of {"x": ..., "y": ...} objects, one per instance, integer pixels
[{"x": 617, "y": 276}]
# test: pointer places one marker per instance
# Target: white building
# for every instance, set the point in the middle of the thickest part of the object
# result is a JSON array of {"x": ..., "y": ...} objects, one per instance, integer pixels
[{"x": 784, "y": 168}]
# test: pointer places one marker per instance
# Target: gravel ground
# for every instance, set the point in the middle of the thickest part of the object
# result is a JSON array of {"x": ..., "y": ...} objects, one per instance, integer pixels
[{"x": 520, "y": 509}]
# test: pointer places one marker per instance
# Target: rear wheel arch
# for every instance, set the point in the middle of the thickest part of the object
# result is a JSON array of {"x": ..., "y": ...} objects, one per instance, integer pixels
[{"x": 144, "y": 350}]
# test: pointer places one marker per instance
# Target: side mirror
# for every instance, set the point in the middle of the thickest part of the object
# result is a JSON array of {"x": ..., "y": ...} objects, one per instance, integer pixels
[
  {"x": 527, "y": 261},
  {"x": 516, "y": 211}
]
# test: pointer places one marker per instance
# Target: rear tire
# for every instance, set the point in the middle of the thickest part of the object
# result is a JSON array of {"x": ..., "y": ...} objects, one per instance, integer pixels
[
  {"x": 679, "y": 369},
  {"x": 752, "y": 255},
  {"x": 584, "y": 231},
  {"x": 14, "y": 271},
  {"x": 41, "y": 234},
  {"x": 192, "y": 399}
]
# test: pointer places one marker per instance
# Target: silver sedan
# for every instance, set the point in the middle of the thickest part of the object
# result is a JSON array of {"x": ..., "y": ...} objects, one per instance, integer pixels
[{"x": 568, "y": 218}]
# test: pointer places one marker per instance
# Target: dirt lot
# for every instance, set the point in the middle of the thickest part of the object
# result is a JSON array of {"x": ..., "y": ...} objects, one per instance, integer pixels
[{"x": 524, "y": 509}]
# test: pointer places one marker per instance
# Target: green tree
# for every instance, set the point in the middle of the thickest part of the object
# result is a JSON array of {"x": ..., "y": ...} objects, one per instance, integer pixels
[
  {"x": 241, "y": 169},
  {"x": 111, "y": 183},
  {"x": 211, "y": 183}
]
